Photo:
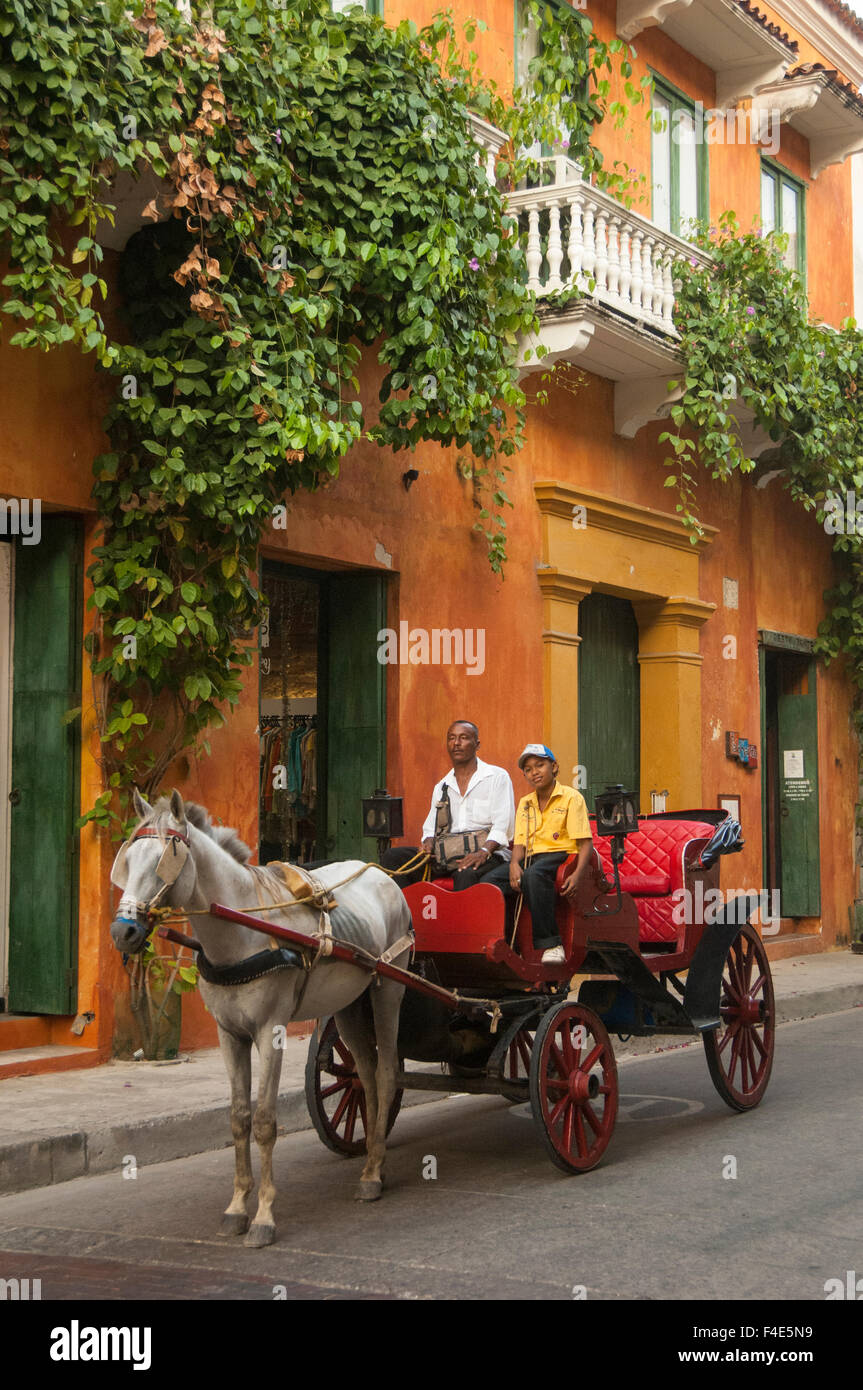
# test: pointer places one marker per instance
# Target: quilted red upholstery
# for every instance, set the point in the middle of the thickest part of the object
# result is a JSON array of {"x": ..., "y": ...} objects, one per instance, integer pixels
[{"x": 653, "y": 870}]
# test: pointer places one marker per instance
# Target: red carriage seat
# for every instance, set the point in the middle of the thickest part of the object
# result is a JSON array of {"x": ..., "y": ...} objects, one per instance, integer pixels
[{"x": 654, "y": 868}]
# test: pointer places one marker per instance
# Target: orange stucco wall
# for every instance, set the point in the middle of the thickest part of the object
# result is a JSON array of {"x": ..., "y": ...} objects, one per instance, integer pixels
[{"x": 51, "y": 409}]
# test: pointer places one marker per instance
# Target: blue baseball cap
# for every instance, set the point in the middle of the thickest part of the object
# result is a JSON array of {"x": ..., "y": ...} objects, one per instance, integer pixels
[{"x": 535, "y": 750}]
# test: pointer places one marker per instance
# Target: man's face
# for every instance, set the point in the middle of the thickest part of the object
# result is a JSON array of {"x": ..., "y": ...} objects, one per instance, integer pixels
[
  {"x": 461, "y": 743},
  {"x": 540, "y": 772}
]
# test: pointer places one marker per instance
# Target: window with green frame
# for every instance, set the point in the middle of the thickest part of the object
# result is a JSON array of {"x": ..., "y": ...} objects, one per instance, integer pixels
[
  {"x": 678, "y": 160},
  {"x": 783, "y": 209},
  {"x": 370, "y": 6}
]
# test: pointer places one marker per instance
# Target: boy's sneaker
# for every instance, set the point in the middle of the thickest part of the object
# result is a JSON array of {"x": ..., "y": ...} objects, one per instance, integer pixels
[{"x": 555, "y": 955}]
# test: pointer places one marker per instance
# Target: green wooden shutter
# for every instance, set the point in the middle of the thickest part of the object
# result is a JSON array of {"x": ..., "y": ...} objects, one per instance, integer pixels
[
  {"x": 45, "y": 797},
  {"x": 798, "y": 803},
  {"x": 356, "y": 710},
  {"x": 609, "y": 694}
]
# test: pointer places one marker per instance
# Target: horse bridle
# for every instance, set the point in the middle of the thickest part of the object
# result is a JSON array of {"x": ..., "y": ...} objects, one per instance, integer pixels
[{"x": 168, "y": 870}]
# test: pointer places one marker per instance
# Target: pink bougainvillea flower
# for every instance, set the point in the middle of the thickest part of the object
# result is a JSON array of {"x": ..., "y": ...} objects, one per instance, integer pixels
[
  {"x": 750, "y": 311},
  {"x": 473, "y": 263}
]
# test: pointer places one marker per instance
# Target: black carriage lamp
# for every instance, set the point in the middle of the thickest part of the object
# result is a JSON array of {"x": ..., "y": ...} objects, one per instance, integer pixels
[
  {"x": 616, "y": 817},
  {"x": 383, "y": 818}
]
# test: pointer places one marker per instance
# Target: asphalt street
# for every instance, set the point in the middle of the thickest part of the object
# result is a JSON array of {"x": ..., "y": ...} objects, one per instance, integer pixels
[{"x": 663, "y": 1217}]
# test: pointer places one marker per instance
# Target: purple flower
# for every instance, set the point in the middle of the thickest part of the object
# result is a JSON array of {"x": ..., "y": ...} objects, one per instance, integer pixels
[
  {"x": 564, "y": 144},
  {"x": 279, "y": 136},
  {"x": 750, "y": 311},
  {"x": 473, "y": 263},
  {"x": 692, "y": 262}
]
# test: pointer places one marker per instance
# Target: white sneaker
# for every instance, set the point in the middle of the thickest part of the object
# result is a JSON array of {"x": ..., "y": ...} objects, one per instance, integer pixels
[{"x": 555, "y": 955}]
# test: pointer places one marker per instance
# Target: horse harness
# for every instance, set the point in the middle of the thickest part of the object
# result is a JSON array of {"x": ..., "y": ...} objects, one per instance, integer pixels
[{"x": 306, "y": 890}]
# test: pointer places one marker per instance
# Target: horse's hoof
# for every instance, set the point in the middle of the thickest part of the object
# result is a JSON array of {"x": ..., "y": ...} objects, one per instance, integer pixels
[
  {"x": 369, "y": 1191},
  {"x": 234, "y": 1224},
  {"x": 259, "y": 1236}
]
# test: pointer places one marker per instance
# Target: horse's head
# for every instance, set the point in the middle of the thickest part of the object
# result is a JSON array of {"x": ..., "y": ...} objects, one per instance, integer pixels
[{"x": 154, "y": 864}]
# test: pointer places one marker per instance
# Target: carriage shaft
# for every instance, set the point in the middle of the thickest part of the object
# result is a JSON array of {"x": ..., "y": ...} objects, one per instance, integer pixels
[{"x": 358, "y": 957}]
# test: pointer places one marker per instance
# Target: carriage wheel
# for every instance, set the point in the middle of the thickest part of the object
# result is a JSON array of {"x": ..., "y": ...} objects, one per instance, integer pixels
[
  {"x": 740, "y": 1051},
  {"x": 573, "y": 1086},
  {"x": 335, "y": 1095}
]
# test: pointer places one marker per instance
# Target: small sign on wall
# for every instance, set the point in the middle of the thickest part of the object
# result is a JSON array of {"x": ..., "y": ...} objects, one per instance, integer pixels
[
  {"x": 792, "y": 759},
  {"x": 741, "y": 750}
]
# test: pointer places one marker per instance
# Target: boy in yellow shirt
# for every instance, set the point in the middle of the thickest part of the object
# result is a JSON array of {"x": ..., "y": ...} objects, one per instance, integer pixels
[{"x": 551, "y": 823}]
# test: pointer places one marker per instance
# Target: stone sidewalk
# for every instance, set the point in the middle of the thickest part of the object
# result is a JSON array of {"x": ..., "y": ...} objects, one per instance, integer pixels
[{"x": 57, "y": 1127}]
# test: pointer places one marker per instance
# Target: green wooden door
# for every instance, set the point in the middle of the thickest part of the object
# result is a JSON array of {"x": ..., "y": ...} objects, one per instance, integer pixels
[
  {"x": 45, "y": 795},
  {"x": 356, "y": 710},
  {"x": 609, "y": 697},
  {"x": 798, "y": 802}
]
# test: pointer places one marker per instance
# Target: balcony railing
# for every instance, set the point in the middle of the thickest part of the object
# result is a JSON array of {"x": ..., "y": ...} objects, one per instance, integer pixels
[{"x": 579, "y": 236}]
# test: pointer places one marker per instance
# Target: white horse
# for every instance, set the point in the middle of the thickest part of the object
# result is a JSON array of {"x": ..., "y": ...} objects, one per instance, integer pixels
[{"x": 176, "y": 857}]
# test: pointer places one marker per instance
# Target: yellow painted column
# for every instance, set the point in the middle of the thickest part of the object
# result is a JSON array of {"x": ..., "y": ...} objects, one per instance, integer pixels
[
  {"x": 561, "y": 595},
  {"x": 670, "y": 663}
]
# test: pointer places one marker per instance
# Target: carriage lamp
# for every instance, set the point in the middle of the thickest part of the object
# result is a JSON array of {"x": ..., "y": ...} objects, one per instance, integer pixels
[
  {"x": 383, "y": 818},
  {"x": 616, "y": 817},
  {"x": 615, "y": 812}
]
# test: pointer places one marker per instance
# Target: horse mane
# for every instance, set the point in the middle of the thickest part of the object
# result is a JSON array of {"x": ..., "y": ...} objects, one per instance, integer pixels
[{"x": 226, "y": 838}]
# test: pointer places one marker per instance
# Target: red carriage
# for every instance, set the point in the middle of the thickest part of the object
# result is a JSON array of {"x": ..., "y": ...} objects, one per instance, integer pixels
[{"x": 480, "y": 1002}]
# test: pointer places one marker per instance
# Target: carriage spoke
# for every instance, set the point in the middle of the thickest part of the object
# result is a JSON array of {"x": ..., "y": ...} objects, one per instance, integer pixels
[
  {"x": 567, "y": 1128},
  {"x": 524, "y": 1052},
  {"x": 758, "y": 986},
  {"x": 559, "y": 1108},
  {"x": 580, "y": 1135},
  {"x": 594, "y": 1057},
  {"x": 336, "y": 1086},
  {"x": 733, "y": 988},
  {"x": 587, "y": 1110},
  {"x": 735, "y": 1055},
  {"x": 554, "y": 1054},
  {"x": 569, "y": 1057},
  {"x": 730, "y": 1032},
  {"x": 352, "y": 1116},
  {"x": 758, "y": 1042},
  {"x": 341, "y": 1107}
]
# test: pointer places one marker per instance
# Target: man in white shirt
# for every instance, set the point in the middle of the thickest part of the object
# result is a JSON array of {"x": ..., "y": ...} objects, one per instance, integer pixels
[{"x": 480, "y": 798}]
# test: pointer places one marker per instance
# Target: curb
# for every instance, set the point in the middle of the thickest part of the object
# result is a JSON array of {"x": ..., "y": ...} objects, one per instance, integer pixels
[{"x": 61, "y": 1157}]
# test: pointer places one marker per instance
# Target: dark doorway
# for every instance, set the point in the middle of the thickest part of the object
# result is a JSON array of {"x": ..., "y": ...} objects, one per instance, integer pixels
[
  {"x": 609, "y": 695},
  {"x": 791, "y": 822},
  {"x": 322, "y": 712}
]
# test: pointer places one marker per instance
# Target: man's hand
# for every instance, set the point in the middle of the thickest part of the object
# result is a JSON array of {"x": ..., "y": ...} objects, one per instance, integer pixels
[
  {"x": 473, "y": 861},
  {"x": 428, "y": 845},
  {"x": 515, "y": 875},
  {"x": 570, "y": 884}
]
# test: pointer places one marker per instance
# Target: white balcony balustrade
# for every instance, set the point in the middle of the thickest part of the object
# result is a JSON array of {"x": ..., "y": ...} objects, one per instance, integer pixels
[{"x": 578, "y": 236}]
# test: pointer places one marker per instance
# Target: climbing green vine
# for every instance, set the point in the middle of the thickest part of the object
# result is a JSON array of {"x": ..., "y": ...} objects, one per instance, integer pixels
[
  {"x": 312, "y": 189},
  {"x": 747, "y": 339}
]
